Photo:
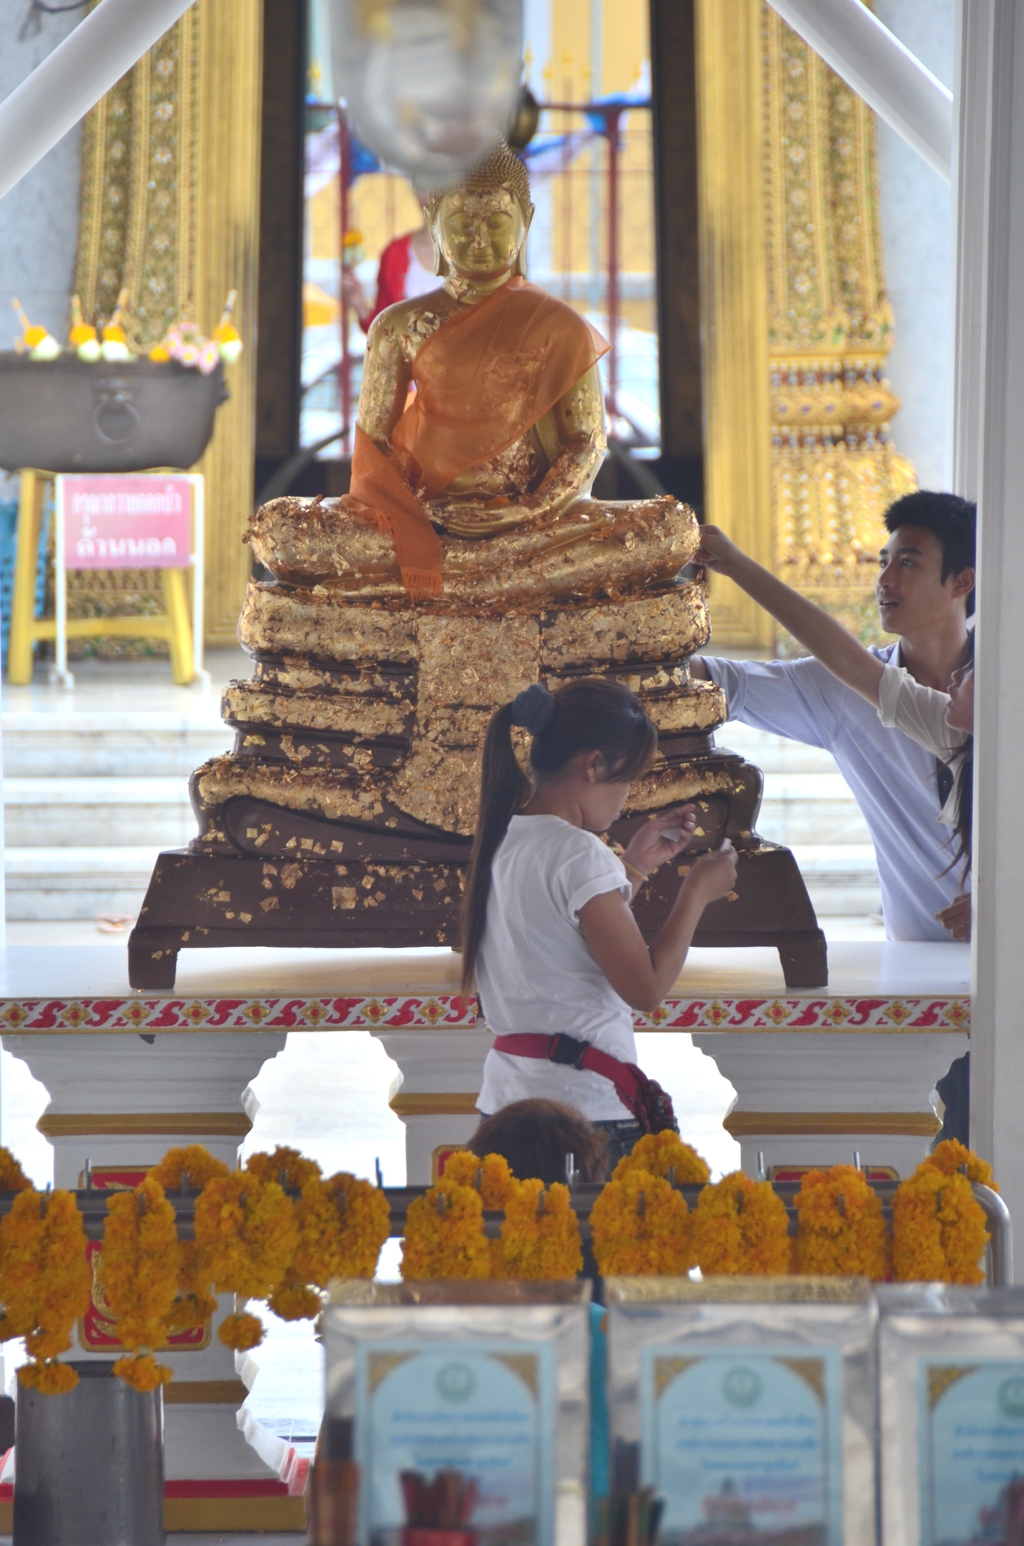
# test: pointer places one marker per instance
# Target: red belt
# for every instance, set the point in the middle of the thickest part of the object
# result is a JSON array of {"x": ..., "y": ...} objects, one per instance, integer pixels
[{"x": 645, "y": 1098}]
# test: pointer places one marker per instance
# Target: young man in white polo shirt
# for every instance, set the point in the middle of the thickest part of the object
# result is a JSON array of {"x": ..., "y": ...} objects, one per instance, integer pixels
[{"x": 924, "y": 592}]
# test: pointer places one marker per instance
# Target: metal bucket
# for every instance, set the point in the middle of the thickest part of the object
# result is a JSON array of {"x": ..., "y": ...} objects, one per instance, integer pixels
[
  {"x": 89, "y": 1465},
  {"x": 65, "y": 415}
]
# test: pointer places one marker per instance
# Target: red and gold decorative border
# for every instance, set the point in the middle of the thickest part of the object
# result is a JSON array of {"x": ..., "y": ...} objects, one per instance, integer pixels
[{"x": 451, "y": 1012}]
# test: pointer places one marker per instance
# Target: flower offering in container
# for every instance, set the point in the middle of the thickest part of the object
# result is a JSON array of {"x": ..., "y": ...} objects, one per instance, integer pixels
[
  {"x": 951, "y": 1387},
  {"x": 745, "y": 1407},
  {"x": 469, "y": 1406}
]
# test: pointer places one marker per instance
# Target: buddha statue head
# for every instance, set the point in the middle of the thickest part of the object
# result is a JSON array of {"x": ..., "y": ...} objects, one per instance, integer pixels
[{"x": 479, "y": 227}]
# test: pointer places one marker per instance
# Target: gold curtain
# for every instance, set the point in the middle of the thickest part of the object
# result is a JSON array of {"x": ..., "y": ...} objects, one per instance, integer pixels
[
  {"x": 834, "y": 468},
  {"x": 170, "y": 210}
]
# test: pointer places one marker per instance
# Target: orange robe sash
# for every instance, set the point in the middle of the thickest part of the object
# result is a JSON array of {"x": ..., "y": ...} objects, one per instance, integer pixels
[{"x": 488, "y": 374}]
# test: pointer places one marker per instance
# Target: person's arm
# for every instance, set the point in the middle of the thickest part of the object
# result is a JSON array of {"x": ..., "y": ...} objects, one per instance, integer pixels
[
  {"x": 640, "y": 973},
  {"x": 827, "y": 639}
]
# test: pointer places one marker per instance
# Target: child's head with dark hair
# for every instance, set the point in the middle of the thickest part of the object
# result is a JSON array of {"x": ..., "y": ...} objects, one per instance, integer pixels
[
  {"x": 537, "y": 1136},
  {"x": 950, "y": 520},
  {"x": 592, "y": 718}
]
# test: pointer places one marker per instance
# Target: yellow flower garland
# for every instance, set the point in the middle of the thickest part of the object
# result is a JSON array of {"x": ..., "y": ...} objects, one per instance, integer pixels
[
  {"x": 951, "y": 1155},
  {"x": 640, "y": 1227},
  {"x": 342, "y": 1225},
  {"x": 247, "y": 1227},
  {"x": 842, "y": 1230},
  {"x": 740, "y": 1227},
  {"x": 938, "y": 1227},
  {"x": 490, "y": 1176},
  {"x": 12, "y": 1177},
  {"x": 194, "y": 1303},
  {"x": 289, "y": 1162},
  {"x": 444, "y": 1235},
  {"x": 193, "y": 1161},
  {"x": 540, "y": 1237},
  {"x": 139, "y": 1267},
  {"x": 44, "y": 1283},
  {"x": 661, "y": 1153}
]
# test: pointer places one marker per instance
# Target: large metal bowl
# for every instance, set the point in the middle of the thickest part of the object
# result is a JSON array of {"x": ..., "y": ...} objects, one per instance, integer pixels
[{"x": 65, "y": 415}]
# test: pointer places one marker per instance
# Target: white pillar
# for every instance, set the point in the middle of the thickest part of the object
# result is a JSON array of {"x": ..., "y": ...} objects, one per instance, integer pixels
[
  {"x": 990, "y": 462},
  {"x": 120, "y": 1102},
  {"x": 881, "y": 70},
  {"x": 441, "y": 1074}
]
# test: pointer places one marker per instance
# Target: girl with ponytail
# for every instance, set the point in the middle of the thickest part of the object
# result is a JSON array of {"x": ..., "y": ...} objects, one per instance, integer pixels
[{"x": 548, "y": 937}]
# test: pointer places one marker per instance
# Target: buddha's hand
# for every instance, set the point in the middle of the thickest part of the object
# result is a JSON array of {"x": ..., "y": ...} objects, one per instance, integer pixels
[
  {"x": 660, "y": 839},
  {"x": 717, "y": 551}
]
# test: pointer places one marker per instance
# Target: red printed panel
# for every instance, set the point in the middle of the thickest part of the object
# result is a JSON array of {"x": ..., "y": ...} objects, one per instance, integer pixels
[
  {"x": 96, "y": 1328},
  {"x": 125, "y": 521}
]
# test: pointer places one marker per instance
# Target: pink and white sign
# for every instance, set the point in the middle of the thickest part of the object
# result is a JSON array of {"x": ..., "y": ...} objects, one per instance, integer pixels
[{"x": 125, "y": 520}]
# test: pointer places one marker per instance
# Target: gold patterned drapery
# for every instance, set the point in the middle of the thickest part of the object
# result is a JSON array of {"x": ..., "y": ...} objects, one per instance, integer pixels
[
  {"x": 169, "y": 210},
  {"x": 834, "y": 468}
]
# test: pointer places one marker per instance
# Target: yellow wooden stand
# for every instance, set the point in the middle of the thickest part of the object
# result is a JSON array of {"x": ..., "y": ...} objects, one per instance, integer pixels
[{"x": 172, "y": 624}]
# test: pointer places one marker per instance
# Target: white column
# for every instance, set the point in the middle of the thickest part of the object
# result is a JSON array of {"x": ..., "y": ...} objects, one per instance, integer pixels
[
  {"x": 436, "y": 1099},
  {"x": 990, "y": 440},
  {"x": 121, "y": 1101}
]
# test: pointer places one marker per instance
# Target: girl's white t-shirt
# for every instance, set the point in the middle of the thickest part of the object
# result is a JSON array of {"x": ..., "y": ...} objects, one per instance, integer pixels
[{"x": 535, "y": 971}]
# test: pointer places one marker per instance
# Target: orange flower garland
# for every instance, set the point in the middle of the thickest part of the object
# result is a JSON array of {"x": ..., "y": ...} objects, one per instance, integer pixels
[
  {"x": 138, "y": 1268},
  {"x": 248, "y": 1228},
  {"x": 540, "y": 1237},
  {"x": 289, "y": 1163},
  {"x": 193, "y": 1161},
  {"x": 194, "y": 1303},
  {"x": 44, "y": 1283},
  {"x": 938, "y": 1228},
  {"x": 740, "y": 1227},
  {"x": 665, "y": 1154},
  {"x": 490, "y": 1176},
  {"x": 951, "y": 1156},
  {"x": 641, "y": 1227},
  {"x": 842, "y": 1230},
  {"x": 444, "y": 1235},
  {"x": 342, "y": 1225},
  {"x": 12, "y": 1177}
]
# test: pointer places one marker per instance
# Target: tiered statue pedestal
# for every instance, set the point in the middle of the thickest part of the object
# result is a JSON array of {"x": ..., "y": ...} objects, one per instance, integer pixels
[{"x": 818, "y": 1074}]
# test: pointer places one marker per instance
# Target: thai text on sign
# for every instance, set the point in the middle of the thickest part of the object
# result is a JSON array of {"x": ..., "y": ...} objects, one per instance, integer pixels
[{"x": 125, "y": 521}]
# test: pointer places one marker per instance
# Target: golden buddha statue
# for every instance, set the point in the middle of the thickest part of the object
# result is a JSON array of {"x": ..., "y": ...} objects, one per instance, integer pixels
[{"x": 468, "y": 560}]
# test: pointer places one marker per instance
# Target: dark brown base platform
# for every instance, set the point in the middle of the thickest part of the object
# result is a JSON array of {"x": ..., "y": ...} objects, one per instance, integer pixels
[{"x": 207, "y": 900}]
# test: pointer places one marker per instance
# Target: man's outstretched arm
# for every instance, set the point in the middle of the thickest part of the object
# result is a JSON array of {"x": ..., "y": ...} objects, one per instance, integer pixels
[{"x": 816, "y": 630}]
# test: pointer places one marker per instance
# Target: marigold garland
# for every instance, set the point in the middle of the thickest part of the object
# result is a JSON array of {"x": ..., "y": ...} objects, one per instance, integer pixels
[
  {"x": 540, "y": 1237},
  {"x": 12, "y": 1177},
  {"x": 241, "y": 1331},
  {"x": 286, "y": 1166},
  {"x": 951, "y": 1155},
  {"x": 444, "y": 1235},
  {"x": 490, "y": 1176},
  {"x": 139, "y": 1267},
  {"x": 938, "y": 1227},
  {"x": 44, "y": 1283},
  {"x": 640, "y": 1227},
  {"x": 193, "y": 1161},
  {"x": 741, "y": 1227},
  {"x": 342, "y": 1225},
  {"x": 842, "y": 1230},
  {"x": 662, "y": 1153},
  {"x": 249, "y": 1228}
]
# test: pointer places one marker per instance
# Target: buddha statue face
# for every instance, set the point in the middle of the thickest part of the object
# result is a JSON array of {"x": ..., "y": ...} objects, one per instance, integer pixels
[{"x": 479, "y": 235}]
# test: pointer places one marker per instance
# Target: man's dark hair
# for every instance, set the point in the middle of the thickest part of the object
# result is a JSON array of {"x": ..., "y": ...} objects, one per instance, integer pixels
[
  {"x": 536, "y": 1136},
  {"x": 950, "y": 519}
]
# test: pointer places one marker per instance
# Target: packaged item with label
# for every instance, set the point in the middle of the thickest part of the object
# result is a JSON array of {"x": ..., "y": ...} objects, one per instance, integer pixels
[
  {"x": 469, "y": 1410},
  {"x": 743, "y": 1409},
  {"x": 951, "y": 1380}
]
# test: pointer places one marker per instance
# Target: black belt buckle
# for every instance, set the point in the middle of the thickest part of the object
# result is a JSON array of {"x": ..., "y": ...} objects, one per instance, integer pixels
[{"x": 567, "y": 1050}]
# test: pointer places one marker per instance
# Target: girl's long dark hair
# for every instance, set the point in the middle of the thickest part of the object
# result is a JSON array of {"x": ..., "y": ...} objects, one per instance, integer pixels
[{"x": 592, "y": 714}]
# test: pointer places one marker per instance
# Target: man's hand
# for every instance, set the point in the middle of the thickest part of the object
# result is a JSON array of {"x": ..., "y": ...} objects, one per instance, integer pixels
[
  {"x": 660, "y": 840},
  {"x": 717, "y": 551},
  {"x": 713, "y": 875},
  {"x": 957, "y": 916}
]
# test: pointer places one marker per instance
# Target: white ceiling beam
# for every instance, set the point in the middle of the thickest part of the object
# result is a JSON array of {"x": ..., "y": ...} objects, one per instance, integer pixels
[
  {"x": 876, "y": 65},
  {"x": 72, "y": 79}
]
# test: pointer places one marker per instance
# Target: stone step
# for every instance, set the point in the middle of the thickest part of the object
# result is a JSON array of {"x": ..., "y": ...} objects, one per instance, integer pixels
[
  {"x": 92, "y": 744},
  {"x": 841, "y": 878},
  {"x": 97, "y": 812},
  {"x": 43, "y": 883},
  {"x": 800, "y": 808}
]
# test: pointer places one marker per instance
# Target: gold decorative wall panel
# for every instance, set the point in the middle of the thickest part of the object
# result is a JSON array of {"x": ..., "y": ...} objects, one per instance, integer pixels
[
  {"x": 734, "y": 299},
  {"x": 169, "y": 210},
  {"x": 834, "y": 468}
]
